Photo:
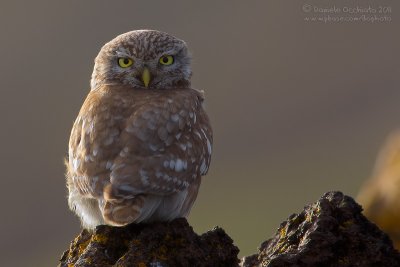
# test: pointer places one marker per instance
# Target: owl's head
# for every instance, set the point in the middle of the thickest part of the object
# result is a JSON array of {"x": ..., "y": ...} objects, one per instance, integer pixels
[{"x": 143, "y": 59}]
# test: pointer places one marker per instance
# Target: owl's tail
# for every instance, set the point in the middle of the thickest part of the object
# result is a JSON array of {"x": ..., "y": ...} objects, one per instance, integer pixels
[
  {"x": 120, "y": 209},
  {"x": 119, "y": 212}
]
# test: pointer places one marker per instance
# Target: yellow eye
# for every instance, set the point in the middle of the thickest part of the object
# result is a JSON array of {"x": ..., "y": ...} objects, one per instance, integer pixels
[
  {"x": 125, "y": 62},
  {"x": 166, "y": 60}
]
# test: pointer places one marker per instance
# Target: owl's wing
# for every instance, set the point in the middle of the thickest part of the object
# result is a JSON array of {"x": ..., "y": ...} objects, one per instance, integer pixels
[
  {"x": 91, "y": 146},
  {"x": 158, "y": 144},
  {"x": 166, "y": 147}
]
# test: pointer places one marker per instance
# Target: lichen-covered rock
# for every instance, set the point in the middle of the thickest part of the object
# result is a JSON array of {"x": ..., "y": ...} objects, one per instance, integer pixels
[
  {"x": 151, "y": 245},
  {"x": 330, "y": 232}
]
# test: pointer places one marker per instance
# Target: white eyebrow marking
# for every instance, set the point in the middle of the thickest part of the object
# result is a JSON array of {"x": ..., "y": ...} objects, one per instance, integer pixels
[{"x": 123, "y": 52}]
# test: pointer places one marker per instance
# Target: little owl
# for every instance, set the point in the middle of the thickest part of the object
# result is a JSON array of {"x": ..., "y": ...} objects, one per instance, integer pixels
[{"x": 141, "y": 141}]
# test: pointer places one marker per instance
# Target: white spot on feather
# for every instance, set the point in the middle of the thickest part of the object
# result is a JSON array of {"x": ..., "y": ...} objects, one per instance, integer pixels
[
  {"x": 116, "y": 166},
  {"x": 153, "y": 147},
  {"x": 175, "y": 117},
  {"x": 203, "y": 167},
  {"x": 109, "y": 141},
  {"x": 94, "y": 181},
  {"x": 172, "y": 164},
  {"x": 152, "y": 125},
  {"x": 126, "y": 187},
  {"x": 167, "y": 178},
  {"x": 209, "y": 146},
  {"x": 183, "y": 113},
  {"x": 75, "y": 163},
  {"x": 144, "y": 177},
  {"x": 108, "y": 165},
  {"x": 124, "y": 152},
  {"x": 89, "y": 158},
  {"x": 180, "y": 165},
  {"x": 130, "y": 129},
  {"x": 198, "y": 134},
  {"x": 183, "y": 147},
  {"x": 166, "y": 164},
  {"x": 208, "y": 142}
]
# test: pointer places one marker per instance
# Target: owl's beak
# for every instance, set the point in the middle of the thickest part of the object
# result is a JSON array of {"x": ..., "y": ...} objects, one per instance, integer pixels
[{"x": 146, "y": 77}]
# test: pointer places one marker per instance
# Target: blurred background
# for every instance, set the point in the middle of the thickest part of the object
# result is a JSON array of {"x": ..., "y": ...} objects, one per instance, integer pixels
[{"x": 300, "y": 99}]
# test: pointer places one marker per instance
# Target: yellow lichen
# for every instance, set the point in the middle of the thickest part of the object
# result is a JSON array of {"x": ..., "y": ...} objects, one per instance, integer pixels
[
  {"x": 282, "y": 232},
  {"x": 318, "y": 209},
  {"x": 283, "y": 248},
  {"x": 83, "y": 246},
  {"x": 344, "y": 261},
  {"x": 101, "y": 239},
  {"x": 88, "y": 260}
]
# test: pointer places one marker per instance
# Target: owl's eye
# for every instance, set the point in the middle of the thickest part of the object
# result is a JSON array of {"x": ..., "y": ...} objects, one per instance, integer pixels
[
  {"x": 166, "y": 60},
  {"x": 125, "y": 62}
]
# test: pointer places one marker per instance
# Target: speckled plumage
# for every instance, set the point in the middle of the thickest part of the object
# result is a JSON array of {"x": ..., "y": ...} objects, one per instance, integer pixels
[{"x": 137, "y": 153}]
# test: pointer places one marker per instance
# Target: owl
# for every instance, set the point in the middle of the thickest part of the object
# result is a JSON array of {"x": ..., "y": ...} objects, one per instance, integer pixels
[{"x": 142, "y": 140}]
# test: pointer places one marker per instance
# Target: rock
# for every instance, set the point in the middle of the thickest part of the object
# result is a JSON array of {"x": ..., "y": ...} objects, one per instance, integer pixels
[
  {"x": 151, "y": 245},
  {"x": 330, "y": 232}
]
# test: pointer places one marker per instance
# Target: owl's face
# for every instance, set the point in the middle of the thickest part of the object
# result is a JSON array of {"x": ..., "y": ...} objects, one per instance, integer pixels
[{"x": 143, "y": 59}]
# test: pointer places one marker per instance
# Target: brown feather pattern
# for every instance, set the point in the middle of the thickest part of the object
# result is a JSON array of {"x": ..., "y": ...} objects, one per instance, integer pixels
[{"x": 139, "y": 153}]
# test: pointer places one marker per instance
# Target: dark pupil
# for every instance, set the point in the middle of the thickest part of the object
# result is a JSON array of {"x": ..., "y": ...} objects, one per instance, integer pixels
[
  {"x": 126, "y": 61},
  {"x": 165, "y": 59}
]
